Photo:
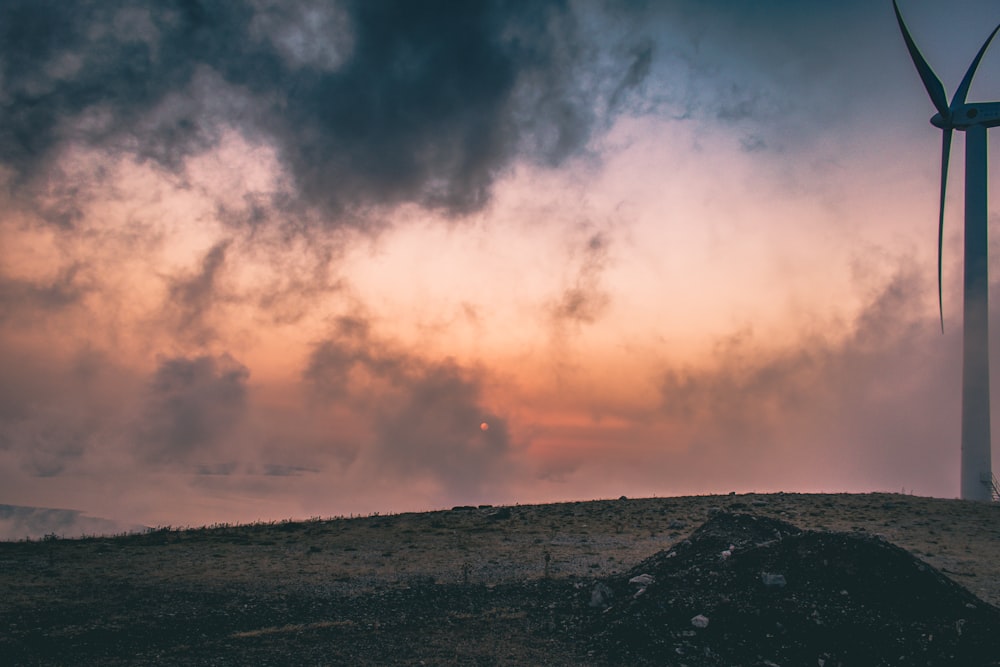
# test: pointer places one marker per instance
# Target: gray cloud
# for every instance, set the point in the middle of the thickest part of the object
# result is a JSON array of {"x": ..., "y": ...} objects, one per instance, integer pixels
[
  {"x": 585, "y": 300},
  {"x": 368, "y": 103},
  {"x": 190, "y": 298},
  {"x": 24, "y": 300},
  {"x": 336, "y": 365},
  {"x": 56, "y": 411},
  {"x": 638, "y": 71},
  {"x": 434, "y": 428},
  {"x": 192, "y": 407},
  {"x": 424, "y": 414}
]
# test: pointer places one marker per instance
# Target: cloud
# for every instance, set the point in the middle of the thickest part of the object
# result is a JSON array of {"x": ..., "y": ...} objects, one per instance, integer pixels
[
  {"x": 368, "y": 104},
  {"x": 585, "y": 300},
  {"x": 26, "y": 299},
  {"x": 193, "y": 406},
  {"x": 424, "y": 415},
  {"x": 638, "y": 71},
  {"x": 190, "y": 299},
  {"x": 860, "y": 404},
  {"x": 863, "y": 402},
  {"x": 434, "y": 427},
  {"x": 57, "y": 410}
]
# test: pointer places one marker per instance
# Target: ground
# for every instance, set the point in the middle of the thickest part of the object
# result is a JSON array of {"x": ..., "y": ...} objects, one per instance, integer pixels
[{"x": 864, "y": 580}]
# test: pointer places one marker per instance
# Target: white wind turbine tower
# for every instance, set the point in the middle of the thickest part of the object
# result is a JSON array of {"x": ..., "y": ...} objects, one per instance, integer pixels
[{"x": 973, "y": 119}]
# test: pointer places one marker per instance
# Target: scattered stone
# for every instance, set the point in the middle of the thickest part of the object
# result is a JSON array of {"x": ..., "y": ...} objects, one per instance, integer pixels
[
  {"x": 676, "y": 525},
  {"x": 773, "y": 580},
  {"x": 601, "y": 596},
  {"x": 892, "y": 608},
  {"x": 500, "y": 514},
  {"x": 642, "y": 580}
]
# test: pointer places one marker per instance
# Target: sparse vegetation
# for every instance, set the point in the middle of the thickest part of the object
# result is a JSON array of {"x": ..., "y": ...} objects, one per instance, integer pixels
[{"x": 452, "y": 587}]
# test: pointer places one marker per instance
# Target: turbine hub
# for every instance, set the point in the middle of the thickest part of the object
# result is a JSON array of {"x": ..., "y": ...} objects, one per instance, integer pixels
[{"x": 964, "y": 116}]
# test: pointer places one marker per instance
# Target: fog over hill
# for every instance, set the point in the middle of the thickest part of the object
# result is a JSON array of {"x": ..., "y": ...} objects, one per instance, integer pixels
[{"x": 18, "y": 522}]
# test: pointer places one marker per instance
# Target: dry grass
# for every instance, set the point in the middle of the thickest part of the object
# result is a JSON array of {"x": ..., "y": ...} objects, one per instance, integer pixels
[
  {"x": 246, "y": 594},
  {"x": 493, "y": 545}
]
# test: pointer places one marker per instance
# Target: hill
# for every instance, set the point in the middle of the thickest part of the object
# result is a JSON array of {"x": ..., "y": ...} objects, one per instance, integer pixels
[{"x": 534, "y": 584}]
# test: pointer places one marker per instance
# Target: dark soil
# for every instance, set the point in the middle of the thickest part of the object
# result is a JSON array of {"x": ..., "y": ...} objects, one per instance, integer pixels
[
  {"x": 774, "y": 595},
  {"x": 766, "y": 593}
]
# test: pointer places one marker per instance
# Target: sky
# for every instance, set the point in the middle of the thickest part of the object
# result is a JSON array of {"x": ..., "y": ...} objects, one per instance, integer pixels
[{"x": 264, "y": 260}]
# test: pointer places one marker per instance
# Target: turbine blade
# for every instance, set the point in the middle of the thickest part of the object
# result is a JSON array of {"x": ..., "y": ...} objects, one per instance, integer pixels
[
  {"x": 933, "y": 84},
  {"x": 945, "y": 152},
  {"x": 963, "y": 88}
]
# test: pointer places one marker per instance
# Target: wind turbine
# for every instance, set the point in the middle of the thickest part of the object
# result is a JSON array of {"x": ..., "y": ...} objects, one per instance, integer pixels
[{"x": 973, "y": 119}]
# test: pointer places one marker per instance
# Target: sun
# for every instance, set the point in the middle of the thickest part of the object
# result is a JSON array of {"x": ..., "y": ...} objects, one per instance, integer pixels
[{"x": 484, "y": 427}]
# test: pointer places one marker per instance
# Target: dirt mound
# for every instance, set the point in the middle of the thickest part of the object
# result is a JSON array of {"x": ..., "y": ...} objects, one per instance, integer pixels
[{"x": 746, "y": 590}]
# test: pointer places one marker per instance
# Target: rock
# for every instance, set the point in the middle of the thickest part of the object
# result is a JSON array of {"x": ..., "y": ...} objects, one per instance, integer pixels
[
  {"x": 601, "y": 595},
  {"x": 642, "y": 580},
  {"x": 622, "y": 497},
  {"x": 497, "y": 515},
  {"x": 676, "y": 525},
  {"x": 700, "y": 621},
  {"x": 773, "y": 580}
]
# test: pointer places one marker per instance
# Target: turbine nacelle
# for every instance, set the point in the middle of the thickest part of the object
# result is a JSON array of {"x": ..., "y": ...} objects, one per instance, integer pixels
[{"x": 964, "y": 116}]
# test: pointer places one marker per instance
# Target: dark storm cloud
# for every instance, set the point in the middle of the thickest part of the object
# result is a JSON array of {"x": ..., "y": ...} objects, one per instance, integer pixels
[
  {"x": 367, "y": 102},
  {"x": 425, "y": 415},
  {"x": 192, "y": 406}
]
